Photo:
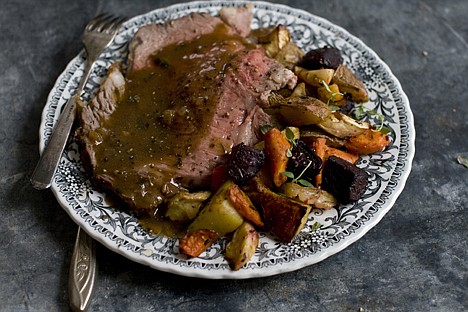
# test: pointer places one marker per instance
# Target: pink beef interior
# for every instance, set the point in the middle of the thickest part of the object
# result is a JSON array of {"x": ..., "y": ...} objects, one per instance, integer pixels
[{"x": 192, "y": 93}]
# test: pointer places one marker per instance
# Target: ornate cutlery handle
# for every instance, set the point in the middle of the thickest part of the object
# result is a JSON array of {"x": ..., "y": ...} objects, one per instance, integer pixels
[{"x": 82, "y": 272}]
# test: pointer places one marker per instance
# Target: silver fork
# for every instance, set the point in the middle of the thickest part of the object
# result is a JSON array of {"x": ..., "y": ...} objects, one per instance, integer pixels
[{"x": 97, "y": 36}]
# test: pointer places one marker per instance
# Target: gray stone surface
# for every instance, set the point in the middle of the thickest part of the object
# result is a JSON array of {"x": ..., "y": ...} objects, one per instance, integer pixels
[{"x": 415, "y": 259}]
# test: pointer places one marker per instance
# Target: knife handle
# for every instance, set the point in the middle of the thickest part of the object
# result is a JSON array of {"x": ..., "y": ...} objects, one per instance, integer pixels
[{"x": 82, "y": 272}]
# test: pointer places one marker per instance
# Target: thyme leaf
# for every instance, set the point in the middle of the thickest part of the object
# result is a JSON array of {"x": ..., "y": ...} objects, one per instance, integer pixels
[
  {"x": 265, "y": 128},
  {"x": 334, "y": 108},
  {"x": 305, "y": 183},
  {"x": 315, "y": 226},
  {"x": 298, "y": 179},
  {"x": 290, "y": 136},
  {"x": 361, "y": 112},
  {"x": 288, "y": 174}
]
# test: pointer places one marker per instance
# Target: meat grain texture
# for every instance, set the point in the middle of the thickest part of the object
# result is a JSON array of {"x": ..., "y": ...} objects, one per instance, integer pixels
[{"x": 233, "y": 97}]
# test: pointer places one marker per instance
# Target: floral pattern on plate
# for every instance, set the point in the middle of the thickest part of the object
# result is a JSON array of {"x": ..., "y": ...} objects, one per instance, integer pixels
[{"x": 121, "y": 232}]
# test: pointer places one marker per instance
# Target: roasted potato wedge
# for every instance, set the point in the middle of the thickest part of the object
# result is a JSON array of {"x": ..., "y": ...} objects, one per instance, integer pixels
[
  {"x": 303, "y": 111},
  {"x": 184, "y": 206},
  {"x": 342, "y": 126},
  {"x": 289, "y": 55},
  {"x": 315, "y": 77},
  {"x": 330, "y": 94},
  {"x": 299, "y": 91},
  {"x": 310, "y": 135},
  {"x": 350, "y": 84},
  {"x": 275, "y": 41},
  {"x": 310, "y": 195},
  {"x": 218, "y": 214},
  {"x": 242, "y": 246}
]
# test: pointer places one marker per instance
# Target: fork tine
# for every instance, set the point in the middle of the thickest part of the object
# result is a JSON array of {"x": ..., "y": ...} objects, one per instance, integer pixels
[
  {"x": 98, "y": 22},
  {"x": 113, "y": 25}
]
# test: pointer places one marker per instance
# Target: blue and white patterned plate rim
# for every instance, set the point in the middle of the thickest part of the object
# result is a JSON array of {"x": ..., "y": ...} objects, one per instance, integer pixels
[{"x": 341, "y": 227}]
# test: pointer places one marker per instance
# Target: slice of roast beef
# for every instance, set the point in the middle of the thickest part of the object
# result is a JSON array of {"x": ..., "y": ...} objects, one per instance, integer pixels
[
  {"x": 198, "y": 98},
  {"x": 151, "y": 38},
  {"x": 238, "y": 18}
]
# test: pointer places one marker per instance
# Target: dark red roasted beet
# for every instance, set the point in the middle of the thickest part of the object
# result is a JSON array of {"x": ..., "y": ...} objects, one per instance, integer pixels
[
  {"x": 244, "y": 163},
  {"x": 302, "y": 155},
  {"x": 344, "y": 180},
  {"x": 326, "y": 57}
]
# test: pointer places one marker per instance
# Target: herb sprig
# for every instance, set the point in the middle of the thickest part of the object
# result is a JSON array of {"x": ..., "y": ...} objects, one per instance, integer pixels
[
  {"x": 362, "y": 111},
  {"x": 299, "y": 179},
  {"x": 332, "y": 96}
]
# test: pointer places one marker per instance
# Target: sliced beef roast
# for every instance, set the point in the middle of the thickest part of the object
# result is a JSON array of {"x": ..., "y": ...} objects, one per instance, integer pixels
[
  {"x": 150, "y": 38},
  {"x": 180, "y": 111}
]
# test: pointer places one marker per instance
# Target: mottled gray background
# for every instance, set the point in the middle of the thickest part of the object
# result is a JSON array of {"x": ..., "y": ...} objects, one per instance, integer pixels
[{"x": 415, "y": 259}]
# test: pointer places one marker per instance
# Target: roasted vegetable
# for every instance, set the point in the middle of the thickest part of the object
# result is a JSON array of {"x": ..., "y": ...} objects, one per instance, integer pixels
[
  {"x": 330, "y": 94},
  {"x": 349, "y": 157},
  {"x": 299, "y": 90},
  {"x": 320, "y": 148},
  {"x": 342, "y": 126},
  {"x": 283, "y": 216},
  {"x": 350, "y": 84},
  {"x": 303, "y": 161},
  {"x": 326, "y": 57},
  {"x": 289, "y": 55},
  {"x": 184, "y": 206},
  {"x": 367, "y": 142},
  {"x": 244, "y": 205},
  {"x": 275, "y": 41},
  {"x": 344, "y": 180},
  {"x": 244, "y": 163},
  {"x": 309, "y": 195},
  {"x": 195, "y": 242},
  {"x": 276, "y": 146},
  {"x": 242, "y": 246},
  {"x": 303, "y": 111},
  {"x": 310, "y": 135},
  {"x": 218, "y": 214},
  {"x": 316, "y": 76}
]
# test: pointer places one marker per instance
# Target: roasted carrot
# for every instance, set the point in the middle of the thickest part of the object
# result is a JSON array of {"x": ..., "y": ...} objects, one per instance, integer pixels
[
  {"x": 331, "y": 151},
  {"x": 276, "y": 147},
  {"x": 367, "y": 142},
  {"x": 244, "y": 205},
  {"x": 196, "y": 242},
  {"x": 320, "y": 148}
]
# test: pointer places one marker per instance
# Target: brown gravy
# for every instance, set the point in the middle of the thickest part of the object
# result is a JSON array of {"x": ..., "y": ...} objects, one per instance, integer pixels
[{"x": 163, "y": 114}]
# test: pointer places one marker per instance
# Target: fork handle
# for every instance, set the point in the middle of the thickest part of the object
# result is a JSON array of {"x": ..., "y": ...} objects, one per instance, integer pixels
[
  {"x": 45, "y": 169},
  {"x": 82, "y": 272}
]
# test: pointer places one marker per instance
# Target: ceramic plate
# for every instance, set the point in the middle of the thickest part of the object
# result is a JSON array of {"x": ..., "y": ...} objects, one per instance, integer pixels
[{"x": 121, "y": 232}]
